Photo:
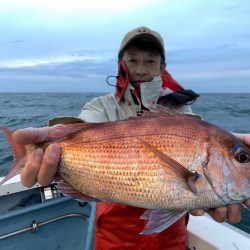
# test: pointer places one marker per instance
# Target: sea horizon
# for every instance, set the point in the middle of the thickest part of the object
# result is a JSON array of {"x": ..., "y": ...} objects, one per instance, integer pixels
[{"x": 101, "y": 92}]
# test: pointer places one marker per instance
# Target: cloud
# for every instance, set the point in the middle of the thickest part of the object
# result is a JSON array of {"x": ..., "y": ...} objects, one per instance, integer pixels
[
  {"x": 246, "y": 35},
  {"x": 78, "y": 41},
  {"x": 77, "y": 66},
  {"x": 226, "y": 56},
  {"x": 225, "y": 63},
  {"x": 38, "y": 83},
  {"x": 18, "y": 41},
  {"x": 77, "y": 6},
  {"x": 55, "y": 60},
  {"x": 216, "y": 75}
]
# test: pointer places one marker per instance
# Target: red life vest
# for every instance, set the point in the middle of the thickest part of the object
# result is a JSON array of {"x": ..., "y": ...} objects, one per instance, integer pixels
[{"x": 118, "y": 227}]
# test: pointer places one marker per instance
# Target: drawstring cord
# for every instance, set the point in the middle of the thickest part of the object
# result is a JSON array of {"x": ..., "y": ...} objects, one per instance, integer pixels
[{"x": 107, "y": 80}]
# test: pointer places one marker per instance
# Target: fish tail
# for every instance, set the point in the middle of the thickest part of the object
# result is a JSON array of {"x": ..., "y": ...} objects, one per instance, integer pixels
[{"x": 18, "y": 151}]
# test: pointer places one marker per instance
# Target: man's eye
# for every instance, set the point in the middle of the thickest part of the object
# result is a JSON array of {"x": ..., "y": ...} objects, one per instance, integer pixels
[
  {"x": 132, "y": 60},
  {"x": 151, "y": 61}
]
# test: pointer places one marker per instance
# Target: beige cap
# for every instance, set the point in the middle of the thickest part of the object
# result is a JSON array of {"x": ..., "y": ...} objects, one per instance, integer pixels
[{"x": 143, "y": 32}]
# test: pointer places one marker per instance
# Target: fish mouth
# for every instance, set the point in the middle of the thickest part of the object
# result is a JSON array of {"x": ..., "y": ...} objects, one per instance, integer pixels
[
  {"x": 238, "y": 183},
  {"x": 230, "y": 192}
]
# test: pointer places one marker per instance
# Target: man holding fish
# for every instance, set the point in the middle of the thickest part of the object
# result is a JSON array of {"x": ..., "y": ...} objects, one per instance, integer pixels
[{"x": 142, "y": 82}]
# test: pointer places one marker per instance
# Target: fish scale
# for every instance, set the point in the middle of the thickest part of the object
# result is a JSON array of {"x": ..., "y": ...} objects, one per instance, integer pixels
[{"x": 127, "y": 166}]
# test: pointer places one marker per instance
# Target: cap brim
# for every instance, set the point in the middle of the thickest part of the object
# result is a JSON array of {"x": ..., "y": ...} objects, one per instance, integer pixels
[{"x": 147, "y": 37}]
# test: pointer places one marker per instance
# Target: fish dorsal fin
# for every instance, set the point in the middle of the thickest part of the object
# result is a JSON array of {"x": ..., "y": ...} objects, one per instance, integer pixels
[
  {"x": 190, "y": 176},
  {"x": 159, "y": 111},
  {"x": 170, "y": 111},
  {"x": 166, "y": 111}
]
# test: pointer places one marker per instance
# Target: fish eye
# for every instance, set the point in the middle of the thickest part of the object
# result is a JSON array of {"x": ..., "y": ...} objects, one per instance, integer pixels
[
  {"x": 242, "y": 157},
  {"x": 240, "y": 154}
]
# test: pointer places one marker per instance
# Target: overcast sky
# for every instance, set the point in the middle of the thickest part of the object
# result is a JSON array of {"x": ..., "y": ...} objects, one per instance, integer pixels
[{"x": 71, "y": 45}]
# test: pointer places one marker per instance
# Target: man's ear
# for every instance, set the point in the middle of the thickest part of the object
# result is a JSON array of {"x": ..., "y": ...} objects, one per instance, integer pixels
[{"x": 162, "y": 67}]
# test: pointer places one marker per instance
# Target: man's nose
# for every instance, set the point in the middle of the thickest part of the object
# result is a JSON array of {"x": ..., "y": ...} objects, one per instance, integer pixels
[{"x": 141, "y": 70}]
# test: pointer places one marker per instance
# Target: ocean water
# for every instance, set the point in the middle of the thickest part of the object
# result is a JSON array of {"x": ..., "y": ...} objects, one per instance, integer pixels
[{"x": 19, "y": 110}]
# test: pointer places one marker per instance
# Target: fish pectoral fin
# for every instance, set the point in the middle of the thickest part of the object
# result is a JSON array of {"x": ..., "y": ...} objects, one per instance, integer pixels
[
  {"x": 179, "y": 168},
  {"x": 191, "y": 181},
  {"x": 160, "y": 219},
  {"x": 65, "y": 188}
]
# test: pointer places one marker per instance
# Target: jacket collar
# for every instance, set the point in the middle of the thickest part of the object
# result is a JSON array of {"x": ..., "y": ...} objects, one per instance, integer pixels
[{"x": 150, "y": 92}]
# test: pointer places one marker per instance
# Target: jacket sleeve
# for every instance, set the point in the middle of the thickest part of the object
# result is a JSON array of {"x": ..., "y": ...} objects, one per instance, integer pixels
[{"x": 94, "y": 111}]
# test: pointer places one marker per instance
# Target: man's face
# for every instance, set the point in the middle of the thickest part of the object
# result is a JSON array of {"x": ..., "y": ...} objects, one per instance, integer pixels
[{"x": 142, "y": 66}]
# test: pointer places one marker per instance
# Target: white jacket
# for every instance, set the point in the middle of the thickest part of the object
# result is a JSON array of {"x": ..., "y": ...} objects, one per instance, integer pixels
[{"x": 110, "y": 108}]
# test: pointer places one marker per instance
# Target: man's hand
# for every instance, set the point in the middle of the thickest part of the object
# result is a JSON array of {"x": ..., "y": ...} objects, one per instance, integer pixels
[
  {"x": 40, "y": 166},
  {"x": 231, "y": 213}
]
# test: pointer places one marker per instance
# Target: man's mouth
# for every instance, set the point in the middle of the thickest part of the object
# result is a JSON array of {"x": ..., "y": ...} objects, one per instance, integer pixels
[{"x": 142, "y": 80}]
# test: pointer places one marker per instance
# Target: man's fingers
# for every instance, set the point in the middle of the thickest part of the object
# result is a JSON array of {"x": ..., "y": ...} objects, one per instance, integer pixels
[
  {"x": 247, "y": 203},
  {"x": 31, "y": 169},
  {"x": 197, "y": 212},
  {"x": 244, "y": 137},
  {"x": 31, "y": 135},
  {"x": 234, "y": 213},
  {"x": 49, "y": 165},
  {"x": 41, "y": 167},
  {"x": 218, "y": 214},
  {"x": 231, "y": 213}
]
